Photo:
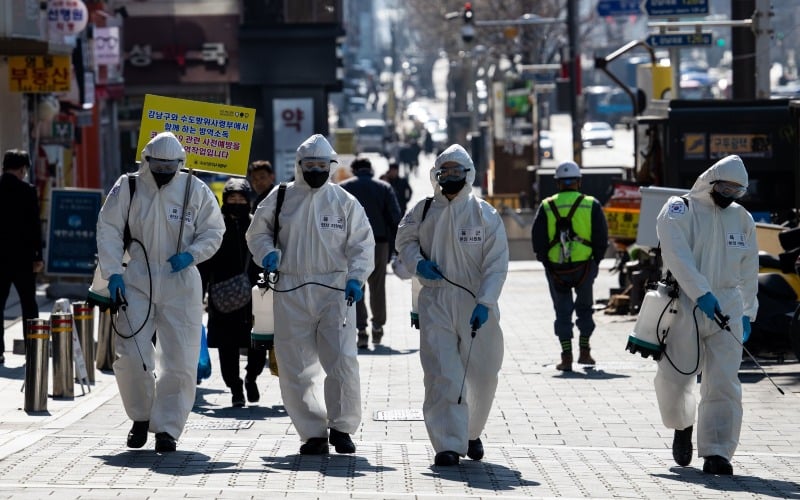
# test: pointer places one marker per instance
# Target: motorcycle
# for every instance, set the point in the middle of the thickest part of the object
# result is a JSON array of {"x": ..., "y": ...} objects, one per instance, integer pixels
[{"x": 776, "y": 329}]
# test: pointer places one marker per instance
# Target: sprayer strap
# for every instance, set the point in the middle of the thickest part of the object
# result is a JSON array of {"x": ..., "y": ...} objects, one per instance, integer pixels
[
  {"x": 559, "y": 219},
  {"x": 126, "y": 235},
  {"x": 278, "y": 205}
]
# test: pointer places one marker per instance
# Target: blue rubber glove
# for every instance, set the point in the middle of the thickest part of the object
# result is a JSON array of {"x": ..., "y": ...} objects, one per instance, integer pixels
[
  {"x": 353, "y": 289},
  {"x": 708, "y": 304},
  {"x": 479, "y": 316},
  {"x": 116, "y": 285},
  {"x": 270, "y": 262},
  {"x": 428, "y": 270},
  {"x": 180, "y": 261},
  {"x": 746, "y": 328}
]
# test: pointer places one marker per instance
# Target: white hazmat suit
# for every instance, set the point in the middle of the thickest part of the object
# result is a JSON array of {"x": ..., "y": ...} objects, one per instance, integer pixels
[
  {"x": 707, "y": 249},
  {"x": 466, "y": 239},
  {"x": 159, "y": 300},
  {"x": 324, "y": 237}
]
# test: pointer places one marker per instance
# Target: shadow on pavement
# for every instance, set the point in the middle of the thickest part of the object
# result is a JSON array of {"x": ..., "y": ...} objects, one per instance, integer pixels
[
  {"x": 249, "y": 412},
  {"x": 332, "y": 465},
  {"x": 382, "y": 350},
  {"x": 746, "y": 484},
  {"x": 481, "y": 475},
  {"x": 173, "y": 464},
  {"x": 590, "y": 373},
  {"x": 12, "y": 373}
]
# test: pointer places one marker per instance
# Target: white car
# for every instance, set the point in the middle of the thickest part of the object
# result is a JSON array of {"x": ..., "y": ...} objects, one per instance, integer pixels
[{"x": 597, "y": 134}]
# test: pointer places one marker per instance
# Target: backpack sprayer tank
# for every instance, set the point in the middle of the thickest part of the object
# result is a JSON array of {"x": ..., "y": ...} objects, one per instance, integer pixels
[
  {"x": 262, "y": 335},
  {"x": 656, "y": 314}
]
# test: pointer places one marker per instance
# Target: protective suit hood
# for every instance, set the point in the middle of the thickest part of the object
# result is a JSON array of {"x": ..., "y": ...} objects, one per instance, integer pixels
[
  {"x": 731, "y": 168},
  {"x": 457, "y": 154},
  {"x": 316, "y": 147}
]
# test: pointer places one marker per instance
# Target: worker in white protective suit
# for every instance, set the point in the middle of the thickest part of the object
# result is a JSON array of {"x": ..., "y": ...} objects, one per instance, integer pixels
[
  {"x": 323, "y": 255},
  {"x": 708, "y": 243},
  {"x": 161, "y": 285},
  {"x": 459, "y": 250}
]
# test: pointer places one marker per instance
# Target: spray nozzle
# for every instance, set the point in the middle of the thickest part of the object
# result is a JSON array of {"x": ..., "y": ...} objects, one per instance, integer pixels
[{"x": 721, "y": 320}]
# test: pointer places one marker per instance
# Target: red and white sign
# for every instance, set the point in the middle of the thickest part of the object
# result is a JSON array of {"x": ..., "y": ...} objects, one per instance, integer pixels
[{"x": 67, "y": 17}]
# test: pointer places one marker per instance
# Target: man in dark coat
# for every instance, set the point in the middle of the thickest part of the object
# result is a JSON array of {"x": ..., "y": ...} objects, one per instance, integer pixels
[
  {"x": 380, "y": 204},
  {"x": 21, "y": 259}
]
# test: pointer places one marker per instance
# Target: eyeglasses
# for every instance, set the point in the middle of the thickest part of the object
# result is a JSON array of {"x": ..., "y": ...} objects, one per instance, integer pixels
[
  {"x": 730, "y": 189},
  {"x": 161, "y": 166},
  {"x": 451, "y": 172}
]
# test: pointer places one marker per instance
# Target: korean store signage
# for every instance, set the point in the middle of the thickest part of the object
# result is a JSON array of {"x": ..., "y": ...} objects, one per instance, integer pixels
[
  {"x": 67, "y": 17},
  {"x": 39, "y": 74},
  {"x": 292, "y": 123},
  {"x": 216, "y": 136}
]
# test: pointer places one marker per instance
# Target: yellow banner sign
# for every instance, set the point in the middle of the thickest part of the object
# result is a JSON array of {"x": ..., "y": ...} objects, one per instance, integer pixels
[
  {"x": 216, "y": 137},
  {"x": 39, "y": 74},
  {"x": 623, "y": 223}
]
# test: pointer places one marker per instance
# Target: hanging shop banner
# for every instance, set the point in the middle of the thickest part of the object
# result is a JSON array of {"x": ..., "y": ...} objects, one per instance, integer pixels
[
  {"x": 292, "y": 123},
  {"x": 216, "y": 137},
  {"x": 39, "y": 74},
  {"x": 106, "y": 46},
  {"x": 71, "y": 238},
  {"x": 67, "y": 17}
]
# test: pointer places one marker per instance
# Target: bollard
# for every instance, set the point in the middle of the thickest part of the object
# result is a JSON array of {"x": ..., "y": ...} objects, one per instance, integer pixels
[
  {"x": 37, "y": 348},
  {"x": 63, "y": 371},
  {"x": 105, "y": 342},
  {"x": 83, "y": 314}
]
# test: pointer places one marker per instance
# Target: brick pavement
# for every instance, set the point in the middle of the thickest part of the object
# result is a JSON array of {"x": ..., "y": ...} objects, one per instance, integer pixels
[{"x": 590, "y": 434}]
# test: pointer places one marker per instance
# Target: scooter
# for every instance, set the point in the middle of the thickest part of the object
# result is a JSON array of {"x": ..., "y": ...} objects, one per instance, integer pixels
[{"x": 776, "y": 329}]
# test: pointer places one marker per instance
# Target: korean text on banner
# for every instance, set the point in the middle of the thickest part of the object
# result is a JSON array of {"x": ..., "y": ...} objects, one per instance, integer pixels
[
  {"x": 292, "y": 123},
  {"x": 216, "y": 137}
]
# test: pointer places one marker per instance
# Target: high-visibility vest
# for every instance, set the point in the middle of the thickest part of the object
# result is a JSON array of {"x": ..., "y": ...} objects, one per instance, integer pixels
[{"x": 573, "y": 242}]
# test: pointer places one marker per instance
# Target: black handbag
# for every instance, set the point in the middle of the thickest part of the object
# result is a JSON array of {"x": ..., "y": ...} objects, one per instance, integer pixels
[{"x": 231, "y": 294}]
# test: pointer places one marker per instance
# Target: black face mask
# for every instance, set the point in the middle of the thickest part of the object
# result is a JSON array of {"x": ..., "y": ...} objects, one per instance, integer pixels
[
  {"x": 452, "y": 187},
  {"x": 236, "y": 210},
  {"x": 162, "y": 179},
  {"x": 315, "y": 179},
  {"x": 721, "y": 201}
]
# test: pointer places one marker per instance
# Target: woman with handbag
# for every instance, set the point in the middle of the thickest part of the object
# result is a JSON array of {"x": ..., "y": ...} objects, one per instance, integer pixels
[{"x": 229, "y": 277}]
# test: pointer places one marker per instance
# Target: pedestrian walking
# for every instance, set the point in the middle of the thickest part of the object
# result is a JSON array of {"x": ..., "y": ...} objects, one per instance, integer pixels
[
  {"x": 570, "y": 236},
  {"x": 22, "y": 259},
  {"x": 380, "y": 204},
  {"x": 402, "y": 189},
  {"x": 229, "y": 330},
  {"x": 457, "y": 244},
  {"x": 175, "y": 222},
  {"x": 320, "y": 245},
  {"x": 708, "y": 244},
  {"x": 261, "y": 176}
]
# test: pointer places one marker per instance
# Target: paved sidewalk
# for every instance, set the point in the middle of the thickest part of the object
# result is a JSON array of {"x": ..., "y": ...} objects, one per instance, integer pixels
[{"x": 594, "y": 433}]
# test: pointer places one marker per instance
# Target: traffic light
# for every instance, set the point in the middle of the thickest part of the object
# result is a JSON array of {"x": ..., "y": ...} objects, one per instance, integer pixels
[
  {"x": 468, "y": 30},
  {"x": 468, "y": 14}
]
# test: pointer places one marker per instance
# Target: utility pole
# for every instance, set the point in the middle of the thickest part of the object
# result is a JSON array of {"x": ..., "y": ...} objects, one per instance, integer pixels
[
  {"x": 743, "y": 49},
  {"x": 574, "y": 79}
]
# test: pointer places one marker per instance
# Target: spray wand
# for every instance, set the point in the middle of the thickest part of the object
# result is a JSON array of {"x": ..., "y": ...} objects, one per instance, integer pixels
[
  {"x": 475, "y": 327},
  {"x": 722, "y": 321}
]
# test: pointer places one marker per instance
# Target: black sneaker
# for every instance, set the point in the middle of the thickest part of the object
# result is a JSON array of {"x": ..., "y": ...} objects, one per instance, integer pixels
[
  {"x": 446, "y": 458},
  {"x": 475, "y": 449},
  {"x": 377, "y": 334},
  {"x": 716, "y": 464},
  {"x": 342, "y": 442},
  {"x": 165, "y": 443},
  {"x": 137, "y": 436},
  {"x": 363, "y": 340},
  {"x": 315, "y": 446},
  {"x": 682, "y": 446},
  {"x": 252, "y": 390},
  {"x": 237, "y": 400}
]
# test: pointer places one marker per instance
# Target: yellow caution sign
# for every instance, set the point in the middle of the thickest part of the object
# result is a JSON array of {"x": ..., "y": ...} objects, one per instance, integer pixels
[{"x": 216, "y": 137}]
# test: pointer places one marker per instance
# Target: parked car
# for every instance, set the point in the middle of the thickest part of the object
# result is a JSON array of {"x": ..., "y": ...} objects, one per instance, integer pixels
[
  {"x": 371, "y": 135},
  {"x": 597, "y": 134}
]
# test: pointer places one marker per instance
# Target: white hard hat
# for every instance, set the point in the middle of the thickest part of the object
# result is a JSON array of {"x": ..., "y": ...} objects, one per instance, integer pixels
[{"x": 568, "y": 170}]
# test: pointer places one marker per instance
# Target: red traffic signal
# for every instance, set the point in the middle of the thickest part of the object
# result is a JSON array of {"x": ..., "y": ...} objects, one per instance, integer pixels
[{"x": 468, "y": 14}]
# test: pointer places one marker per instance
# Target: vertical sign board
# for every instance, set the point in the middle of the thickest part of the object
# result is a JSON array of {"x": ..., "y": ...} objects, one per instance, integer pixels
[
  {"x": 293, "y": 123},
  {"x": 71, "y": 231}
]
